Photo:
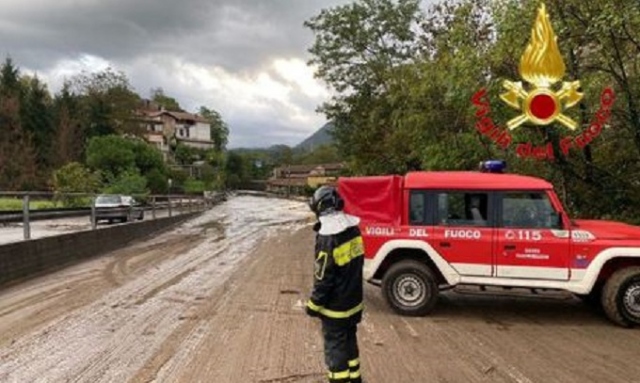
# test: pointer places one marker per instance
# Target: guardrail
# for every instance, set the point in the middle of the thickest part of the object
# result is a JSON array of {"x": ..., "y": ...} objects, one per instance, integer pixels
[{"x": 172, "y": 204}]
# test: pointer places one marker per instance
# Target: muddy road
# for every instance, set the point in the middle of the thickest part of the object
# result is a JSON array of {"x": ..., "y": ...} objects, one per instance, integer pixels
[{"x": 219, "y": 299}]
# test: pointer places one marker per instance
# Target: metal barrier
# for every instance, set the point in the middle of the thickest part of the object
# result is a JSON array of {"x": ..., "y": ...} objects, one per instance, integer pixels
[{"x": 155, "y": 204}]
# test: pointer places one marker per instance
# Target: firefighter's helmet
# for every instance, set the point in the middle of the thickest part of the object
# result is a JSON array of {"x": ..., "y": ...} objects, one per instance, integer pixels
[{"x": 325, "y": 200}]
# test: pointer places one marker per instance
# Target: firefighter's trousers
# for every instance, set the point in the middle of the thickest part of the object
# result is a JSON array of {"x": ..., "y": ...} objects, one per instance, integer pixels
[{"x": 341, "y": 352}]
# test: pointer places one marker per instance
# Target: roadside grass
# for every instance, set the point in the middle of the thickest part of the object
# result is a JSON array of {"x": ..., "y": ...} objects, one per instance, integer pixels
[{"x": 8, "y": 203}]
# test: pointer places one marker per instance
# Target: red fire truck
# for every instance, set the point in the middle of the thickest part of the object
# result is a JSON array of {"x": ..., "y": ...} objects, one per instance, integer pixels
[{"x": 429, "y": 231}]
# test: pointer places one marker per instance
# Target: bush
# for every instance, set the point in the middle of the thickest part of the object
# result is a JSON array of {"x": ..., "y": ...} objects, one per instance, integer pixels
[
  {"x": 158, "y": 183},
  {"x": 74, "y": 178},
  {"x": 192, "y": 186},
  {"x": 130, "y": 183}
]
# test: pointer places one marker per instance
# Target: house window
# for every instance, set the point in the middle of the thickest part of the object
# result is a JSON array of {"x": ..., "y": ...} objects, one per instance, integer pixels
[{"x": 463, "y": 209}]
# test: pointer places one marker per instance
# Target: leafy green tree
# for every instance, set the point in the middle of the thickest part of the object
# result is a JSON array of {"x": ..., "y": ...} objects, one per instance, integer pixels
[
  {"x": 146, "y": 157},
  {"x": 111, "y": 154},
  {"x": 357, "y": 49},
  {"x": 193, "y": 186},
  {"x": 403, "y": 98},
  {"x": 185, "y": 155},
  {"x": 75, "y": 178},
  {"x": 234, "y": 170},
  {"x": 108, "y": 103},
  {"x": 219, "y": 128},
  {"x": 169, "y": 103},
  {"x": 157, "y": 181},
  {"x": 129, "y": 182},
  {"x": 323, "y": 154}
]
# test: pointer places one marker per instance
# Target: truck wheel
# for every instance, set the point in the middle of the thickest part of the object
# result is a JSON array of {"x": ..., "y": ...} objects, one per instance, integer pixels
[
  {"x": 621, "y": 297},
  {"x": 594, "y": 298},
  {"x": 410, "y": 288}
]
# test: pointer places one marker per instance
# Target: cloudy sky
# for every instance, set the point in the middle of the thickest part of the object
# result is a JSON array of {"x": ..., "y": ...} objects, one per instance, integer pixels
[{"x": 244, "y": 58}]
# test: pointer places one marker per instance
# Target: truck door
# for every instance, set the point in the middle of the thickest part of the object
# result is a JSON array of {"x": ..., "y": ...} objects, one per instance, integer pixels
[
  {"x": 527, "y": 242},
  {"x": 463, "y": 232}
]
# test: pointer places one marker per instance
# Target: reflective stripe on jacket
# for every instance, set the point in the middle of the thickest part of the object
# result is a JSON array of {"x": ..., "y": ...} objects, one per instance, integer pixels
[{"x": 337, "y": 290}]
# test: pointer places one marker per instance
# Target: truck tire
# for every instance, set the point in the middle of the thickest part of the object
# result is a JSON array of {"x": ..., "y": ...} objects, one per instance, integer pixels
[
  {"x": 621, "y": 297},
  {"x": 594, "y": 298},
  {"x": 410, "y": 288}
]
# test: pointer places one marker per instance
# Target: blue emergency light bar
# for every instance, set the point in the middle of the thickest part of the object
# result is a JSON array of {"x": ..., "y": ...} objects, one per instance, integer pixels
[{"x": 493, "y": 166}]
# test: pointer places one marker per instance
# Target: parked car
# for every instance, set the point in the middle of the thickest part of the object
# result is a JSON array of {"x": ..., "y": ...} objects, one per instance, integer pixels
[
  {"x": 136, "y": 207},
  {"x": 113, "y": 207}
]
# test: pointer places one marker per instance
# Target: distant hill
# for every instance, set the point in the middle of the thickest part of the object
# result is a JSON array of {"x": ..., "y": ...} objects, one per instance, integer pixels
[{"x": 320, "y": 137}]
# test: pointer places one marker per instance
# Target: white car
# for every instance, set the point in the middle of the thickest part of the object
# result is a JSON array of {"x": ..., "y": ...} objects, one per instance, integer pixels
[{"x": 112, "y": 207}]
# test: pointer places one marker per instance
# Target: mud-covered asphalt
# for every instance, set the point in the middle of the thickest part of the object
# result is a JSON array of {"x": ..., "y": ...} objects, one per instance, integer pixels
[{"x": 219, "y": 299}]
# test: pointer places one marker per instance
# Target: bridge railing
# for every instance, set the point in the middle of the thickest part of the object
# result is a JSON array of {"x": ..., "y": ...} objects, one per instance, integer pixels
[{"x": 27, "y": 207}]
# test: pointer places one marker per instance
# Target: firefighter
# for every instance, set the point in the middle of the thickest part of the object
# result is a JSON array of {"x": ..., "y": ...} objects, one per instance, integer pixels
[{"x": 337, "y": 290}]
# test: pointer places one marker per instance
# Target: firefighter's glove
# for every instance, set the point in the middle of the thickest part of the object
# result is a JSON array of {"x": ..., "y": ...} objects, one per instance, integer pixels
[{"x": 311, "y": 313}]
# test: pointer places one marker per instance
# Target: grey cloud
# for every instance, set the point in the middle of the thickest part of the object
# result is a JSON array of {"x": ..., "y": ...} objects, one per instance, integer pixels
[
  {"x": 144, "y": 37},
  {"x": 258, "y": 126},
  {"x": 234, "y": 34}
]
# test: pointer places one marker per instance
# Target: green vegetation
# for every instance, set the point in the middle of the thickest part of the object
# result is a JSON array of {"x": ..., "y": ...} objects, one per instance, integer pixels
[
  {"x": 15, "y": 204},
  {"x": 88, "y": 139},
  {"x": 404, "y": 76}
]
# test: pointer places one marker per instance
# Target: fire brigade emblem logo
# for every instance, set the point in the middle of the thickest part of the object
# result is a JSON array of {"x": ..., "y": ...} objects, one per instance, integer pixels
[
  {"x": 542, "y": 100},
  {"x": 542, "y": 67}
]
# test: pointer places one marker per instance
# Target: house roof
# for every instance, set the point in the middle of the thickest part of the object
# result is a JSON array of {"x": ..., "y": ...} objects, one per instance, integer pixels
[
  {"x": 287, "y": 182},
  {"x": 297, "y": 168},
  {"x": 182, "y": 116},
  {"x": 331, "y": 166}
]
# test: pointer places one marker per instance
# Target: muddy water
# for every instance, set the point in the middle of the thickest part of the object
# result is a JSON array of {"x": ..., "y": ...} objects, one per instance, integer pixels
[{"x": 110, "y": 338}]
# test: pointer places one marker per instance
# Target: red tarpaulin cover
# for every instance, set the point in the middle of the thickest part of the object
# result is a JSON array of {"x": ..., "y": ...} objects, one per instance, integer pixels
[{"x": 373, "y": 199}]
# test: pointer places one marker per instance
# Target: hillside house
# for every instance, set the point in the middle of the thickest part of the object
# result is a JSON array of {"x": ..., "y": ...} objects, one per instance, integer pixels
[
  {"x": 164, "y": 127},
  {"x": 294, "y": 179}
]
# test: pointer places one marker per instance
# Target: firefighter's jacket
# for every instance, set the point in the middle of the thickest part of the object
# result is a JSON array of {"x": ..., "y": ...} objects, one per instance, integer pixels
[{"x": 337, "y": 290}]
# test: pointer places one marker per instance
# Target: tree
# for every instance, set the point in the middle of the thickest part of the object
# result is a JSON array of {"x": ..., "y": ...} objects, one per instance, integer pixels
[
  {"x": 323, "y": 154},
  {"x": 234, "y": 170},
  {"x": 69, "y": 142},
  {"x": 74, "y": 178},
  {"x": 169, "y": 103},
  {"x": 17, "y": 156},
  {"x": 146, "y": 157},
  {"x": 112, "y": 155},
  {"x": 108, "y": 103},
  {"x": 10, "y": 79},
  {"x": 37, "y": 120},
  {"x": 403, "y": 99},
  {"x": 358, "y": 49},
  {"x": 129, "y": 182},
  {"x": 219, "y": 129}
]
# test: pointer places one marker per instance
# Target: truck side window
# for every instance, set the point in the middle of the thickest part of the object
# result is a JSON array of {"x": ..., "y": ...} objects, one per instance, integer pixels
[
  {"x": 527, "y": 210},
  {"x": 417, "y": 203},
  {"x": 463, "y": 209}
]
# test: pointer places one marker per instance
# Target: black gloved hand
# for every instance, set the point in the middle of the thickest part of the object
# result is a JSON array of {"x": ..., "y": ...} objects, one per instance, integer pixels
[{"x": 311, "y": 313}]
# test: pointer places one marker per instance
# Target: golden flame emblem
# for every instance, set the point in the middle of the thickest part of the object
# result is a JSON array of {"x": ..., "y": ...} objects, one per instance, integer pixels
[{"x": 542, "y": 66}]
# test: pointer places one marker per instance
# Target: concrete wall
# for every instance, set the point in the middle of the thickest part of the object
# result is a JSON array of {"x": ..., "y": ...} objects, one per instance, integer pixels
[{"x": 21, "y": 260}]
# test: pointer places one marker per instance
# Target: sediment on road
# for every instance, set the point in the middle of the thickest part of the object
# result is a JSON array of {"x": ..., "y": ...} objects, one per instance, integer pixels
[
  {"x": 205, "y": 304},
  {"x": 256, "y": 331},
  {"x": 25, "y": 259}
]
